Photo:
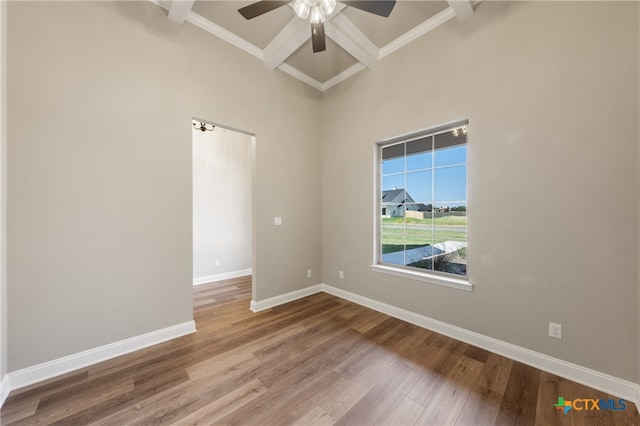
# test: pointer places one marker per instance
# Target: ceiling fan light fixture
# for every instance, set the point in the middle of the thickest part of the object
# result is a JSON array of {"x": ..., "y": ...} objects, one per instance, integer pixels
[
  {"x": 314, "y": 10},
  {"x": 315, "y": 15},
  {"x": 302, "y": 8},
  {"x": 328, "y": 6}
]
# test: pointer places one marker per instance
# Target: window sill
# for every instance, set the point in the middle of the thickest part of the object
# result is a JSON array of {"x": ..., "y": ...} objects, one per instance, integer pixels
[{"x": 425, "y": 277}]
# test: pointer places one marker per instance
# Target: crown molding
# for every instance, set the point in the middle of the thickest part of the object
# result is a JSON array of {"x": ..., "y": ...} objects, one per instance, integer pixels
[
  {"x": 226, "y": 35},
  {"x": 216, "y": 30},
  {"x": 352, "y": 70},
  {"x": 295, "y": 72},
  {"x": 341, "y": 30},
  {"x": 420, "y": 30}
]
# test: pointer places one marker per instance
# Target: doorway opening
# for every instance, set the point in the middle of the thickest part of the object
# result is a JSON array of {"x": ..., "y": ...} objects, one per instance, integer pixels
[{"x": 223, "y": 228}]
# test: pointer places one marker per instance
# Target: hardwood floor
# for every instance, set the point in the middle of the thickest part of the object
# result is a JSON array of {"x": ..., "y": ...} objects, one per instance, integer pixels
[{"x": 318, "y": 360}]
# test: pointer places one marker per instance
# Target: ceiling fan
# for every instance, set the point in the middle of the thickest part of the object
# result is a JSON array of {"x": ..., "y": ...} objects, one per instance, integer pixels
[{"x": 315, "y": 11}]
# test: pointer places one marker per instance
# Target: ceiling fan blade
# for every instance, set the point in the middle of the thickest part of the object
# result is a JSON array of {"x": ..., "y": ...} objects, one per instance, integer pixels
[
  {"x": 260, "y": 8},
  {"x": 377, "y": 7},
  {"x": 317, "y": 37}
]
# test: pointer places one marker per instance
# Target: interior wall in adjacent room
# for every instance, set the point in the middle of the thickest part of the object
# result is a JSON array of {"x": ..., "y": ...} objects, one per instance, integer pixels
[{"x": 222, "y": 193}]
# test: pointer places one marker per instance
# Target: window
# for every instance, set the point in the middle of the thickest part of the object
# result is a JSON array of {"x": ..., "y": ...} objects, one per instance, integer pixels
[{"x": 423, "y": 202}]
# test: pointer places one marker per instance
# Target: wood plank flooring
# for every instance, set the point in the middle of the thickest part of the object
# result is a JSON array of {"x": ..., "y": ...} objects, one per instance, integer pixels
[{"x": 319, "y": 360}]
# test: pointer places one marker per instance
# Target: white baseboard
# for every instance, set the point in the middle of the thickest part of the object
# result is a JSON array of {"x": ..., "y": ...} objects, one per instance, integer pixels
[
  {"x": 4, "y": 389},
  {"x": 261, "y": 305},
  {"x": 606, "y": 383},
  {"x": 37, "y": 373},
  {"x": 219, "y": 277},
  {"x": 612, "y": 385},
  {"x": 595, "y": 379}
]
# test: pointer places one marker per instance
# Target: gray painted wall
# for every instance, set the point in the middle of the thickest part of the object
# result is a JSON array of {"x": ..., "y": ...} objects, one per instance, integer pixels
[
  {"x": 100, "y": 203},
  {"x": 3, "y": 189},
  {"x": 638, "y": 191},
  {"x": 99, "y": 213},
  {"x": 551, "y": 93}
]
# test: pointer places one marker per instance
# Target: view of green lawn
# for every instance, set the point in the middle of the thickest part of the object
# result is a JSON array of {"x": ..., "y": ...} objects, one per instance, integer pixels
[
  {"x": 438, "y": 221},
  {"x": 397, "y": 237}
]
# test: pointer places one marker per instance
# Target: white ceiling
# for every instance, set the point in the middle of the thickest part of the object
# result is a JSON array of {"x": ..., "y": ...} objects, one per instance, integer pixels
[{"x": 356, "y": 40}]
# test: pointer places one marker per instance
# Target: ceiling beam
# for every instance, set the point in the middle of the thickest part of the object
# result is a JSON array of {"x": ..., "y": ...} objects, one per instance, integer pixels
[
  {"x": 350, "y": 38},
  {"x": 179, "y": 9},
  {"x": 287, "y": 41},
  {"x": 461, "y": 8},
  {"x": 293, "y": 35}
]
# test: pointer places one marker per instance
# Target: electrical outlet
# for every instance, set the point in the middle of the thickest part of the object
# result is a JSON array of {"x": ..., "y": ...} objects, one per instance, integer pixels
[
  {"x": 555, "y": 330},
  {"x": 217, "y": 262},
  {"x": 308, "y": 273},
  {"x": 341, "y": 275}
]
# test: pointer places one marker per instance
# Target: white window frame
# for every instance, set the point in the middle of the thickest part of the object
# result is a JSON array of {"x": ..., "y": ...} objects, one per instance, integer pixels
[{"x": 424, "y": 275}]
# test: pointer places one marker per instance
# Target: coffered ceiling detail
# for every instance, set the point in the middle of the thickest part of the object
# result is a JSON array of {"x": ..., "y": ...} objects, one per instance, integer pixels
[{"x": 356, "y": 40}]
